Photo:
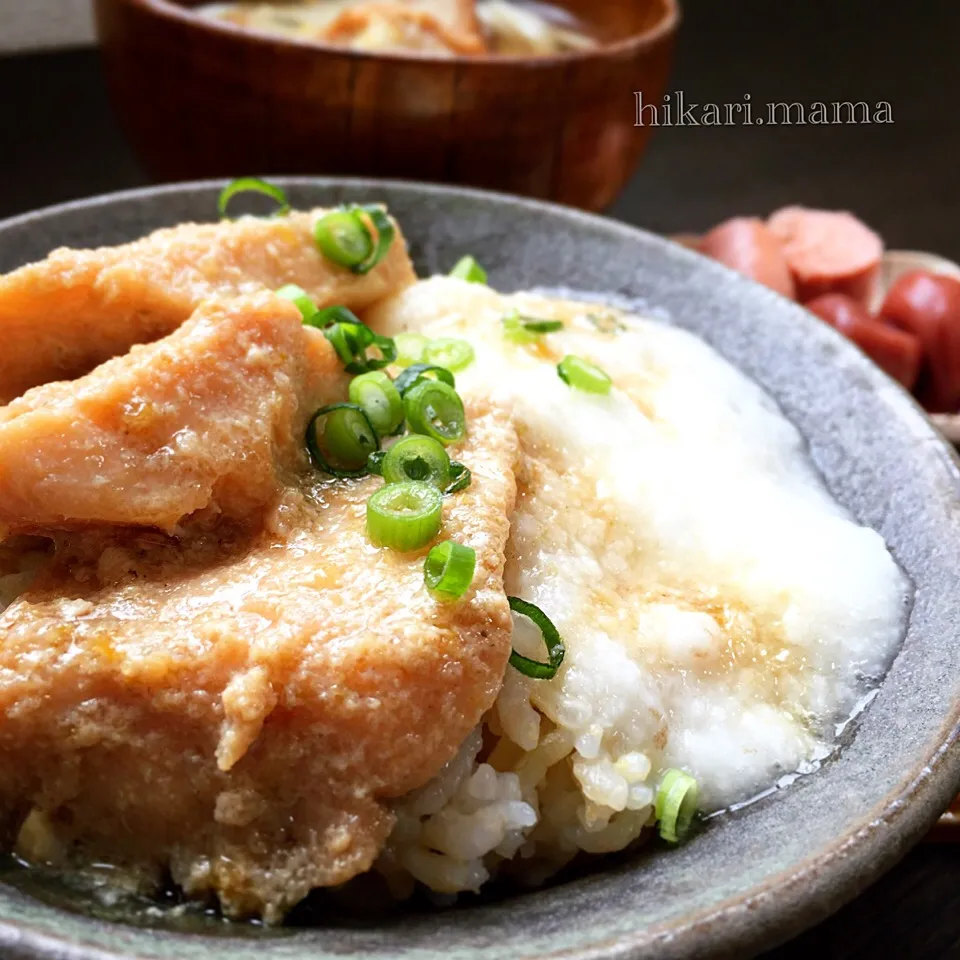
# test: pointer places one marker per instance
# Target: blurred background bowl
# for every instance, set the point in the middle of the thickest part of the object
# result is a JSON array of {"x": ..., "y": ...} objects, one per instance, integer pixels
[{"x": 204, "y": 99}]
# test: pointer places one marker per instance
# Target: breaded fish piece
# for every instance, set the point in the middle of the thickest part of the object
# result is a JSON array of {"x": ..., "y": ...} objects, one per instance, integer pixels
[
  {"x": 61, "y": 317},
  {"x": 210, "y": 415},
  {"x": 241, "y": 706}
]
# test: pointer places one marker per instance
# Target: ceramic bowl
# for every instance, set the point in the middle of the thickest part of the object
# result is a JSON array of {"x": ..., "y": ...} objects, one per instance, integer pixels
[{"x": 750, "y": 879}]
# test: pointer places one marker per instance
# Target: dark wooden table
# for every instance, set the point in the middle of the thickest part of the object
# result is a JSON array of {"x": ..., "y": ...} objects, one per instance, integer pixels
[{"x": 58, "y": 141}]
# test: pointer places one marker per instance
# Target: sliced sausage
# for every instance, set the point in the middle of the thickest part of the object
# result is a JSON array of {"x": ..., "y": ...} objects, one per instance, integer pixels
[
  {"x": 928, "y": 306},
  {"x": 894, "y": 351},
  {"x": 828, "y": 252},
  {"x": 746, "y": 245}
]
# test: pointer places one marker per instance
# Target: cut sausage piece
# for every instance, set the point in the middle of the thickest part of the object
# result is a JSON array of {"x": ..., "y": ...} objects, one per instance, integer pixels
[
  {"x": 928, "y": 306},
  {"x": 895, "y": 352},
  {"x": 828, "y": 252},
  {"x": 61, "y": 317},
  {"x": 746, "y": 245}
]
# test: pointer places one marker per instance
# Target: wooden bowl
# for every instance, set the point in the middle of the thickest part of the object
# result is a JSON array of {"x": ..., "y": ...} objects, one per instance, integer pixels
[{"x": 199, "y": 98}]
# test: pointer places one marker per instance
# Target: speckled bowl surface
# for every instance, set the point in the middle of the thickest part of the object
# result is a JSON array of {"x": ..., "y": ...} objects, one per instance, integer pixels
[{"x": 751, "y": 879}]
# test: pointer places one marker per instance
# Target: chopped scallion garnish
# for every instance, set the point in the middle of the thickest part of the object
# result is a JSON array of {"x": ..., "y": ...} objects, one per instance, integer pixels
[
  {"x": 301, "y": 299},
  {"x": 404, "y": 516},
  {"x": 417, "y": 372},
  {"x": 583, "y": 375},
  {"x": 343, "y": 238},
  {"x": 347, "y": 440},
  {"x": 551, "y": 637},
  {"x": 375, "y": 393},
  {"x": 460, "y": 478},
  {"x": 352, "y": 338},
  {"x": 331, "y": 315},
  {"x": 606, "y": 322},
  {"x": 417, "y": 458},
  {"x": 468, "y": 269},
  {"x": 521, "y": 329},
  {"x": 676, "y": 805},
  {"x": 375, "y": 462},
  {"x": 356, "y": 237},
  {"x": 450, "y": 353},
  {"x": 410, "y": 347},
  {"x": 252, "y": 185},
  {"x": 448, "y": 570},
  {"x": 532, "y": 325},
  {"x": 435, "y": 410}
]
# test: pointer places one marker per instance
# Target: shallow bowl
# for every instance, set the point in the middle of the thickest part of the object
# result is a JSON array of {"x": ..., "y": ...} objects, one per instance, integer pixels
[{"x": 750, "y": 879}]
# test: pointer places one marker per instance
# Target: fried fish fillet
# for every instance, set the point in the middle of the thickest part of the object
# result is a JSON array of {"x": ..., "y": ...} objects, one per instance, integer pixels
[
  {"x": 211, "y": 415},
  {"x": 238, "y": 705},
  {"x": 61, "y": 317}
]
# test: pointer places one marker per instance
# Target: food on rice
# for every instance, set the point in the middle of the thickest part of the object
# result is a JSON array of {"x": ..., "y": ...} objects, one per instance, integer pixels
[{"x": 303, "y": 674}]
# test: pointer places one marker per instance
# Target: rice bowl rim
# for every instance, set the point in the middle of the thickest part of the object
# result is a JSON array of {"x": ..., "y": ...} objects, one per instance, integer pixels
[{"x": 828, "y": 375}]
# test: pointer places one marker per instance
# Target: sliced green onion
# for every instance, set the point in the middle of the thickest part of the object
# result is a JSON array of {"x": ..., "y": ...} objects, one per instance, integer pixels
[
  {"x": 583, "y": 375},
  {"x": 343, "y": 238},
  {"x": 468, "y": 269},
  {"x": 404, "y": 516},
  {"x": 460, "y": 478},
  {"x": 551, "y": 637},
  {"x": 388, "y": 353},
  {"x": 351, "y": 338},
  {"x": 375, "y": 462},
  {"x": 301, "y": 300},
  {"x": 377, "y": 218},
  {"x": 410, "y": 347},
  {"x": 417, "y": 458},
  {"x": 336, "y": 314},
  {"x": 417, "y": 372},
  {"x": 435, "y": 410},
  {"x": 450, "y": 353},
  {"x": 356, "y": 237},
  {"x": 252, "y": 185},
  {"x": 348, "y": 340},
  {"x": 676, "y": 805},
  {"x": 533, "y": 325},
  {"x": 375, "y": 393},
  {"x": 348, "y": 440},
  {"x": 449, "y": 568},
  {"x": 606, "y": 322},
  {"x": 521, "y": 329}
]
